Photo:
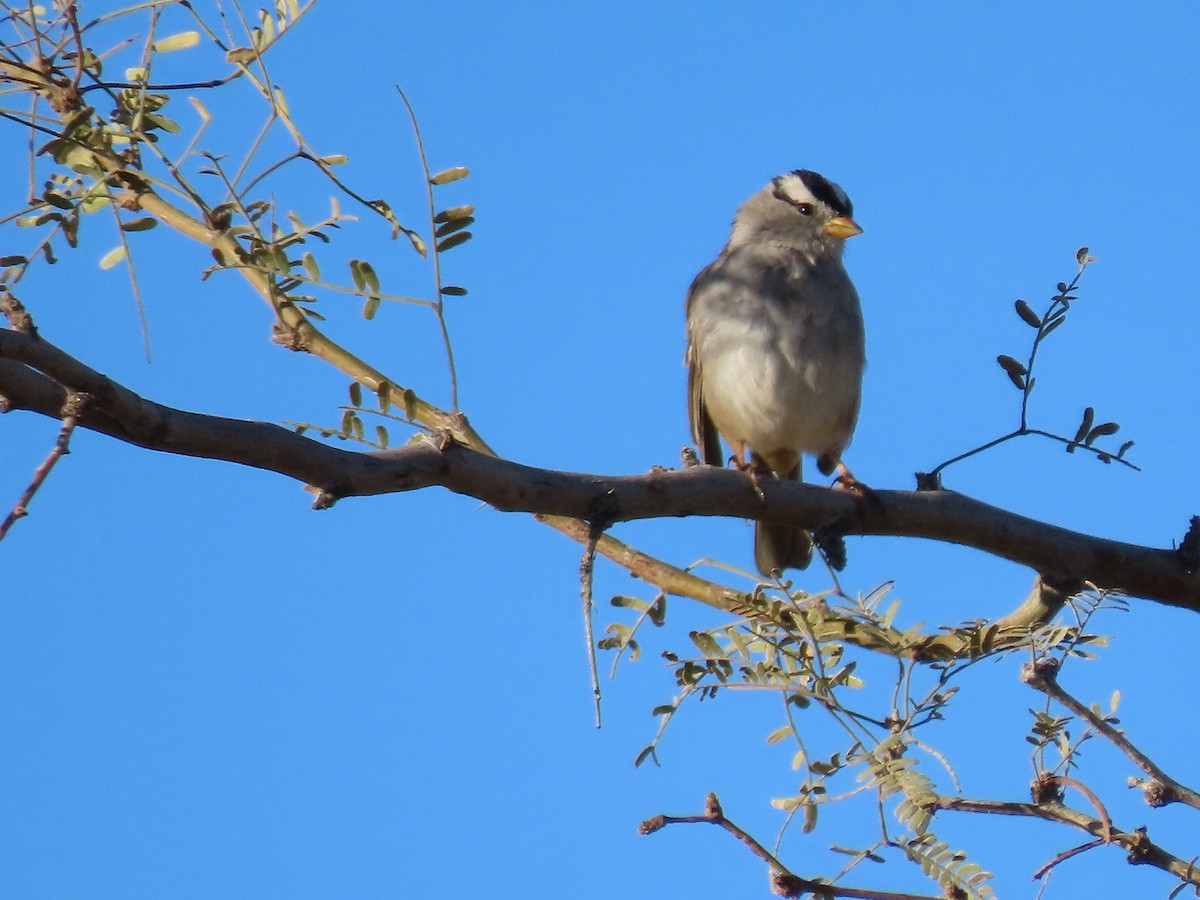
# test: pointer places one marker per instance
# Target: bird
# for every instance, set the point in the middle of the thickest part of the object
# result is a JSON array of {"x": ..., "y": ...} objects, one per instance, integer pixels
[{"x": 776, "y": 346}]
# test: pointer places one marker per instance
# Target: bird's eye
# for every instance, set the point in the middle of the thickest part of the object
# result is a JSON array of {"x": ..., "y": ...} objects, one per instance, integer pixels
[{"x": 805, "y": 209}]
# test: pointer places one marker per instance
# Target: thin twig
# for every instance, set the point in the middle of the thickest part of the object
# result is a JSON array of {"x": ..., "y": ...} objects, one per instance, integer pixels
[
  {"x": 1064, "y": 856},
  {"x": 439, "y": 303},
  {"x": 1162, "y": 789},
  {"x": 1141, "y": 850},
  {"x": 71, "y": 411},
  {"x": 587, "y": 571},
  {"x": 785, "y": 883}
]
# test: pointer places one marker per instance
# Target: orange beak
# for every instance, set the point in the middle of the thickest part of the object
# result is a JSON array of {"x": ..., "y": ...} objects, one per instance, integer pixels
[{"x": 842, "y": 227}]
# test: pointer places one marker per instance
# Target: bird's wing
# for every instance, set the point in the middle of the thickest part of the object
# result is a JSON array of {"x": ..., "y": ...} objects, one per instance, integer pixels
[{"x": 704, "y": 432}]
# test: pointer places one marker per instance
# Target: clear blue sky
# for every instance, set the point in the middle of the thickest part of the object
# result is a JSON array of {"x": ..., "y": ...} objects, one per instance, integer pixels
[{"x": 208, "y": 690}]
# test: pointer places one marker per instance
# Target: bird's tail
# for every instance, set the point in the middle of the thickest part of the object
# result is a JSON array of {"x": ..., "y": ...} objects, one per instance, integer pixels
[{"x": 779, "y": 547}]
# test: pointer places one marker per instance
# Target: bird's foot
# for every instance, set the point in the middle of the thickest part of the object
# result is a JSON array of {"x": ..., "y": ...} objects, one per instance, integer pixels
[{"x": 845, "y": 481}]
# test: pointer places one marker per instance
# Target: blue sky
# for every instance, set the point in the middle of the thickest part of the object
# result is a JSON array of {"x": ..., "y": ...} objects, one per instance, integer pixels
[{"x": 207, "y": 689}]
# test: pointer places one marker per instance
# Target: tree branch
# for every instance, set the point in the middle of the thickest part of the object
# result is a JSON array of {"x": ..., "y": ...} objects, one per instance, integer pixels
[
  {"x": 1141, "y": 850},
  {"x": 783, "y": 882},
  {"x": 1062, "y": 556},
  {"x": 1161, "y": 789},
  {"x": 72, "y": 407}
]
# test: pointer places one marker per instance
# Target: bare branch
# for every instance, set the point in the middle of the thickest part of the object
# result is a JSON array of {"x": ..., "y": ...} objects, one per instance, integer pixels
[
  {"x": 1062, "y": 556},
  {"x": 1141, "y": 850},
  {"x": 784, "y": 882},
  {"x": 71, "y": 409},
  {"x": 1161, "y": 789}
]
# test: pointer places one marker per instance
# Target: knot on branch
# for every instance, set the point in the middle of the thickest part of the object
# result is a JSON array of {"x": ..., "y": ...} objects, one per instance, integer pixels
[
  {"x": 288, "y": 337},
  {"x": 1139, "y": 847},
  {"x": 1040, "y": 674},
  {"x": 16, "y": 313},
  {"x": 1154, "y": 792},
  {"x": 1189, "y": 547},
  {"x": 1046, "y": 788},
  {"x": 785, "y": 884},
  {"x": 928, "y": 481}
]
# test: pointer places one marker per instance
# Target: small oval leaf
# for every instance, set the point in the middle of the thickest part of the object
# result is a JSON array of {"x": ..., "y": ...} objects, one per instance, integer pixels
[
  {"x": 112, "y": 257},
  {"x": 145, "y": 223},
  {"x": 370, "y": 307},
  {"x": 453, "y": 290},
  {"x": 180, "y": 41},
  {"x": 455, "y": 212},
  {"x": 1089, "y": 416},
  {"x": 459, "y": 237},
  {"x": 1101, "y": 431},
  {"x": 453, "y": 226},
  {"x": 1028, "y": 315},
  {"x": 446, "y": 176},
  {"x": 311, "y": 268},
  {"x": 1016, "y": 371}
]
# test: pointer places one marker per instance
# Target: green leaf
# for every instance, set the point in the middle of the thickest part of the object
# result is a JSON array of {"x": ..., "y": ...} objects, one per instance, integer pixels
[
  {"x": 1101, "y": 431},
  {"x": 455, "y": 213},
  {"x": 384, "y": 393},
  {"x": 705, "y": 643},
  {"x": 410, "y": 403},
  {"x": 335, "y": 159},
  {"x": 629, "y": 602},
  {"x": 454, "y": 240},
  {"x": 1089, "y": 416},
  {"x": 240, "y": 56},
  {"x": 370, "y": 307},
  {"x": 181, "y": 41},
  {"x": 453, "y": 290},
  {"x": 810, "y": 818},
  {"x": 310, "y": 267},
  {"x": 381, "y": 436},
  {"x": 1028, "y": 315},
  {"x": 453, "y": 226},
  {"x": 446, "y": 176},
  {"x": 1016, "y": 371},
  {"x": 779, "y": 734},
  {"x": 658, "y": 610},
  {"x": 145, "y": 223},
  {"x": 56, "y": 199},
  {"x": 112, "y": 257},
  {"x": 355, "y": 394},
  {"x": 368, "y": 276},
  {"x": 156, "y": 121}
]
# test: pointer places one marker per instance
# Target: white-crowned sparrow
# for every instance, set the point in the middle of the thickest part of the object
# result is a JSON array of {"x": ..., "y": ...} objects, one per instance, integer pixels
[{"x": 775, "y": 345}]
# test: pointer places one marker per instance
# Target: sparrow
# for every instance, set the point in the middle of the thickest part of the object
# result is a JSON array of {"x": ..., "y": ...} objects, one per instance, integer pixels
[{"x": 775, "y": 346}]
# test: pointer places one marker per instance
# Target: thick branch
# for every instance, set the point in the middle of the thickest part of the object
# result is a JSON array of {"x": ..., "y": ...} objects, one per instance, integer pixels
[{"x": 1062, "y": 555}]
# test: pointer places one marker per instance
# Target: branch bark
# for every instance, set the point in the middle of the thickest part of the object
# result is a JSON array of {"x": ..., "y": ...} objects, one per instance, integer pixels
[{"x": 35, "y": 375}]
